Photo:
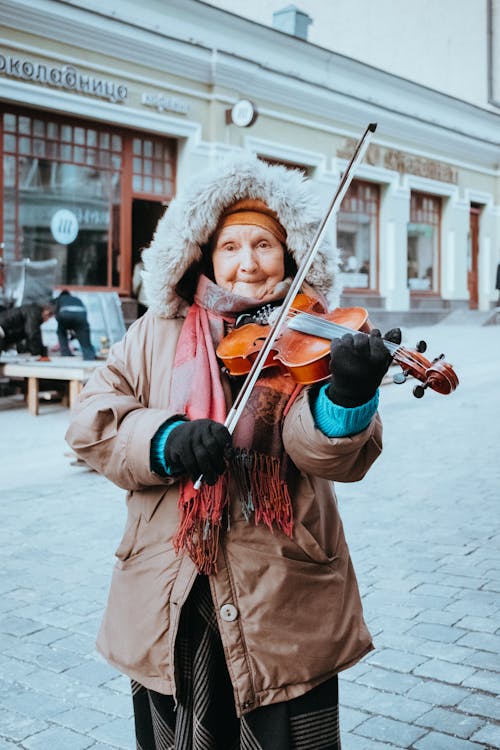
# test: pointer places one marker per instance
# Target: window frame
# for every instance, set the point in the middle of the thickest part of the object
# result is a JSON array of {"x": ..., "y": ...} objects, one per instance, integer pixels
[{"x": 127, "y": 192}]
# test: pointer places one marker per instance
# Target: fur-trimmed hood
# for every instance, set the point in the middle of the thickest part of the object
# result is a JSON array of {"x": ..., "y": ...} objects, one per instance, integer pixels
[{"x": 193, "y": 215}]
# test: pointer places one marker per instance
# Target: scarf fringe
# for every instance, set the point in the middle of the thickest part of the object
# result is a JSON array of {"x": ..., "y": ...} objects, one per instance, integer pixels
[
  {"x": 201, "y": 520},
  {"x": 262, "y": 490}
]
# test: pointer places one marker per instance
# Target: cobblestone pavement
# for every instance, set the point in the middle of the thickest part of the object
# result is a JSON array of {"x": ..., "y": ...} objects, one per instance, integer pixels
[{"x": 423, "y": 528}]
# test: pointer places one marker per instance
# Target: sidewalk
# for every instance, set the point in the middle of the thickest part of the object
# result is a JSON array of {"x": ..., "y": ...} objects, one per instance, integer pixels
[{"x": 423, "y": 528}]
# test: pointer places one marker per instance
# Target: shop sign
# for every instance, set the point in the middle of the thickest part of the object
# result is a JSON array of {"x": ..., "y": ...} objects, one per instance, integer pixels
[
  {"x": 64, "y": 226},
  {"x": 398, "y": 161},
  {"x": 163, "y": 103},
  {"x": 66, "y": 77}
]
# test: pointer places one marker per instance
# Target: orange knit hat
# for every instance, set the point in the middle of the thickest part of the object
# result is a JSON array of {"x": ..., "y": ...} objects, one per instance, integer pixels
[{"x": 254, "y": 213}]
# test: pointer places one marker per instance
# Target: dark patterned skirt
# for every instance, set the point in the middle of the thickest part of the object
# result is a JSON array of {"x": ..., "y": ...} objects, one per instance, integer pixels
[{"x": 205, "y": 717}]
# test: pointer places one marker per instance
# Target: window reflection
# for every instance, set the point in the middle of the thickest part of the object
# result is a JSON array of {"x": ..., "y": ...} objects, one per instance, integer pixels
[
  {"x": 51, "y": 166},
  {"x": 40, "y": 181},
  {"x": 357, "y": 223},
  {"x": 423, "y": 242}
]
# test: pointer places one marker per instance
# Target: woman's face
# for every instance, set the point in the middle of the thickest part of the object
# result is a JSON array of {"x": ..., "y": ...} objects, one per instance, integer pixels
[{"x": 248, "y": 261}]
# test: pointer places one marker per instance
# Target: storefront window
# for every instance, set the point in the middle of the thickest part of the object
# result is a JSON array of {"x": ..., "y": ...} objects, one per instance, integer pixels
[
  {"x": 152, "y": 164},
  {"x": 61, "y": 196},
  {"x": 423, "y": 242},
  {"x": 67, "y": 189},
  {"x": 357, "y": 235}
]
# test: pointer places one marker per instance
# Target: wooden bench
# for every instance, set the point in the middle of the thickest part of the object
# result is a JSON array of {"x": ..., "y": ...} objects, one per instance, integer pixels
[{"x": 75, "y": 371}]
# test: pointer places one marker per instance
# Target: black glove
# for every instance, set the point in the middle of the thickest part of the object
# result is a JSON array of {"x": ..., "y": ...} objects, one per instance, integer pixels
[
  {"x": 198, "y": 447},
  {"x": 394, "y": 335},
  {"x": 358, "y": 363}
]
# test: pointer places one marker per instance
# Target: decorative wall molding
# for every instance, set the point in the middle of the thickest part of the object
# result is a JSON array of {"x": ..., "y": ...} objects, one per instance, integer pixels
[
  {"x": 479, "y": 196},
  {"x": 425, "y": 185},
  {"x": 24, "y": 93},
  {"x": 285, "y": 152}
]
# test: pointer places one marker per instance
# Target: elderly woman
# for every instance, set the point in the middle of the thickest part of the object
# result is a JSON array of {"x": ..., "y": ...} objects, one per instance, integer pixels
[{"x": 234, "y": 607}]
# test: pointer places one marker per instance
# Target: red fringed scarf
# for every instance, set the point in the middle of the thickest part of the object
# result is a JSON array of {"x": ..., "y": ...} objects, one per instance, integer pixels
[{"x": 259, "y": 465}]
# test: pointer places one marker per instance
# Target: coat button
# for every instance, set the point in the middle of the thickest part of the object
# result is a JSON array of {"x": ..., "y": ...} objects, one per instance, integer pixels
[{"x": 228, "y": 612}]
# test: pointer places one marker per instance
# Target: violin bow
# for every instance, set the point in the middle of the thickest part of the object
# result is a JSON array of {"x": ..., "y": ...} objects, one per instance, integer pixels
[{"x": 246, "y": 389}]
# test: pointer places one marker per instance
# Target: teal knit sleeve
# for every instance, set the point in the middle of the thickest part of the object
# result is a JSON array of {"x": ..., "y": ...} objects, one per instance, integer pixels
[
  {"x": 338, "y": 421},
  {"x": 157, "y": 450}
]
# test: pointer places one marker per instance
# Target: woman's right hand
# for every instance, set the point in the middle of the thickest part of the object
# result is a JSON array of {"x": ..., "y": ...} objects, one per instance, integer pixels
[{"x": 196, "y": 448}]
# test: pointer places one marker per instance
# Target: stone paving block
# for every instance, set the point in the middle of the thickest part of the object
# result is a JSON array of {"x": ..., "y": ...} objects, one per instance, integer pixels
[
  {"x": 385, "y": 624},
  {"x": 437, "y": 741},
  {"x": 355, "y": 742},
  {"x": 103, "y": 700},
  {"x": 398, "y": 611},
  {"x": 398, "y": 707},
  {"x": 480, "y": 609},
  {"x": 381, "y": 581},
  {"x": 55, "y": 684},
  {"x": 483, "y": 680},
  {"x": 388, "y": 730},
  {"x": 350, "y": 718},
  {"x": 7, "y": 642},
  {"x": 89, "y": 626},
  {"x": 120, "y": 684},
  {"x": 436, "y": 589},
  {"x": 12, "y": 669},
  {"x": 493, "y": 573},
  {"x": 57, "y": 661},
  {"x": 441, "y": 633},
  {"x": 92, "y": 672},
  {"x": 449, "y": 652},
  {"x": 76, "y": 643},
  {"x": 438, "y": 694},
  {"x": 481, "y": 705},
  {"x": 38, "y": 654},
  {"x": 488, "y": 735},
  {"x": 385, "y": 679},
  {"x": 438, "y": 617},
  {"x": 444, "y": 671},
  {"x": 46, "y": 636},
  {"x": 32, "y": 611},
  {"x": 397, "y": 660},
  {"x": 16, "y": 727},
  {"x": 58, "y": 738},
  {"x": 354, "y": 672},
  {"x": 483, "y": 624},
  {"x": 484, "y": 660},
  {"x": 118, "y": 733},
  {"x": 81, "y": 719},
  {"x": 33, "y": 705},
  {"x": 18, "y": 626},
  {"x": 451, "y": 722},
  {"x": 82, "y": 607},
  {"x": 461, "y": 582},
  {"x": 7, "y": 604},
  {"x": 482, "y": 641},
  {"x": 58, "y": 618},
  {"x": 491, "y": 586},
  {"x": 355, "y": 695}
]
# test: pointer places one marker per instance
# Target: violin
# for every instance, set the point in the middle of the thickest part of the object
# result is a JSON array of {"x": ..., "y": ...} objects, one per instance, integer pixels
[{"x": 302, "y": 348}]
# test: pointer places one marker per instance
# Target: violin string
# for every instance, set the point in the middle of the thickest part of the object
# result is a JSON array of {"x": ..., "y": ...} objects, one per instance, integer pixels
[{"x": 316, "y": 326}]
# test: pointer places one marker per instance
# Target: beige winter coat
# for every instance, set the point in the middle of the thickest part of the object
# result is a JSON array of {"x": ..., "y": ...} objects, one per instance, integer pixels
[{"x": 288, "y": 610}]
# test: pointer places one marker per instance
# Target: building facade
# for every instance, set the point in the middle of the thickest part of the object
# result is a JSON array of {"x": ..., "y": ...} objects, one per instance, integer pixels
[{"x": 107, "y": 109}]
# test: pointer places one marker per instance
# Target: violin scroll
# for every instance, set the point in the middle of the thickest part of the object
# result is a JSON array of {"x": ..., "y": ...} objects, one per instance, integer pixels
[{"x": 437, "y": 374}]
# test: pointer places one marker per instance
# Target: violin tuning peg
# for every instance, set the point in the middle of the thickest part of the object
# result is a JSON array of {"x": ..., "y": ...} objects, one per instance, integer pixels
[
  {"x": 419, "y": 390},
  {"x": 399, "y": 378},
  {"x": 421, "y": 346}
]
